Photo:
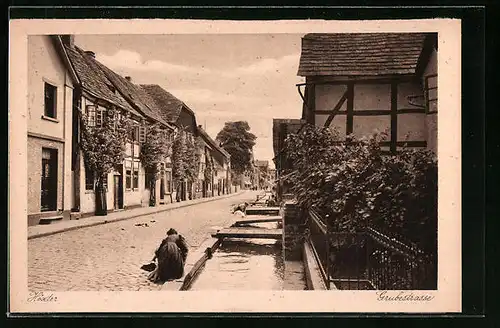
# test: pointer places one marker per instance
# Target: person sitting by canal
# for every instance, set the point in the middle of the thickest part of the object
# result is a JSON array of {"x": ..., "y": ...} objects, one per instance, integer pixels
[
  {"x": 240, "y": 207},
  {"x": 171, "y": 256}
]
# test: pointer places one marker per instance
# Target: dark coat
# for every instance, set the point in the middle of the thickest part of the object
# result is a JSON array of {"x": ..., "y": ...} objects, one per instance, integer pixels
[{"x": 171, "y": 256}]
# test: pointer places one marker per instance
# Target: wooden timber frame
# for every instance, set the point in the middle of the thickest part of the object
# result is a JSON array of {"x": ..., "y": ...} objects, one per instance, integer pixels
[{"x": 310, "y": 112}]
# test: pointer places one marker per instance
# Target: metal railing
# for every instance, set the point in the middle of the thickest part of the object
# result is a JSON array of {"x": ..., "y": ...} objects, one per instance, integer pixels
[{"x": 369, "y": 259}]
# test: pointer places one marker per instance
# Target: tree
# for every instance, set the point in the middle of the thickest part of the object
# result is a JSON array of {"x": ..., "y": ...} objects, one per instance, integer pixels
[
  {"x": 179, "y": 149},
  {"x": 186, "y": 156},
  {"x": 103, "y": 148},
  {"x": 154, "y": 150},
  {"x": 238, "y": 141}
]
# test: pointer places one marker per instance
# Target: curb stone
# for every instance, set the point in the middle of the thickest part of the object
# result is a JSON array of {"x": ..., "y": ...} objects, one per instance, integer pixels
[{"x": 132, "y": 216}]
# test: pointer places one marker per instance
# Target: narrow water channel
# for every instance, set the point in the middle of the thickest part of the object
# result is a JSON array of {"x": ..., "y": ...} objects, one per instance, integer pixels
[
  {"x": 244, "y": 264},
  {"x": 251, "y": 264}
]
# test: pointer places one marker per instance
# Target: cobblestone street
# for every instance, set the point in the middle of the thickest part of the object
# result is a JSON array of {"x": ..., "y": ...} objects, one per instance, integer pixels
[{"x": 108, "y": 257}]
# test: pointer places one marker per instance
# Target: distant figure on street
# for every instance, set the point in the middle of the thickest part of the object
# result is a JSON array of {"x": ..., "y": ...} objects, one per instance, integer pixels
[
  {"x": 240, "y": 209},
  {"x": 171, "y": 256}
]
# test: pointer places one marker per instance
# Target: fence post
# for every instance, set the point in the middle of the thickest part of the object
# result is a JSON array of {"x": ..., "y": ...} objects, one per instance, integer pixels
[{"x": 327, "y": 252}]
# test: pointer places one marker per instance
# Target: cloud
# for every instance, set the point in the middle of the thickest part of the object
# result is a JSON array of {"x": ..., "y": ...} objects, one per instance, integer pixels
[
  {"x": 207, "y": 96},
  {"x": 269, "y": 65},
  {"x": 127, "y": 59}
]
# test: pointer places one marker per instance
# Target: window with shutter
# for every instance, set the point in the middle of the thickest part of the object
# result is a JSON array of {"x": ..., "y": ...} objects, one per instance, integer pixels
[
  {"x": 142, "y": 133},
  {"x": 99, "y": 116},
  {"x": 90, "y": 110}
]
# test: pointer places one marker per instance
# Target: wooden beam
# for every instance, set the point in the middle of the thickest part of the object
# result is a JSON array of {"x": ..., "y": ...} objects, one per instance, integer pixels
[
  {"x": 350, "y": 108},
  {"x": 196, "y": 269},
  {"x": 335, "y": 80},
  {"x": 374, "y": 112},
  {"x": 249, "y": 233},
  {"x": 394, "y": 116},
  {"x": 311, "y": 105},
  {"x": 244, "y": 222},
  {"x": 336, "y": 109}
]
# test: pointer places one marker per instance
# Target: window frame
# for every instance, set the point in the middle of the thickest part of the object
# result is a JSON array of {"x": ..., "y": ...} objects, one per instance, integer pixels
[
  {"x": 91, "y": 112},
  {"x": 135, "y": 176},
  {"x": 427, "y": 90},
  {"x": 54, "y": 100},
  {"x": 142, "y": 133},
  {"x": 89, "y": 175}
]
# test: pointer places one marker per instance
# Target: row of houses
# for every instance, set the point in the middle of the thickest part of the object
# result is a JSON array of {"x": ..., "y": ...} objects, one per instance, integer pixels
[
  {"x": 365, "y": 82},
  {"x": 66, "y": 81}
]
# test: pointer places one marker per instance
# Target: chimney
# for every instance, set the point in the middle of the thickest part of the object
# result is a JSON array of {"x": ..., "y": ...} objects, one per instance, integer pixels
[
  {"x": 90, "y": 53},
  {"x": 128, "y": 78},
  {"x": 68, "y": 40}
]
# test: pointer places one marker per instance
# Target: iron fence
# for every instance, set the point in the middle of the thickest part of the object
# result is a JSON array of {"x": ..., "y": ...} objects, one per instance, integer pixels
[
  {"x": 318, "y": 237},
  {"x": 369, "y": 259}
]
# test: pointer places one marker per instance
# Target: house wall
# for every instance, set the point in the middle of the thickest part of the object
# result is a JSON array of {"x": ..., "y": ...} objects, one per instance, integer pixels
[
  {"x": 371, "y": 104},
  {"x": 131, "y": 198},
  {"x": 45, "y": 65},
  {"x": 87, "y": 197},
  {"x": 34, "y": 152}
]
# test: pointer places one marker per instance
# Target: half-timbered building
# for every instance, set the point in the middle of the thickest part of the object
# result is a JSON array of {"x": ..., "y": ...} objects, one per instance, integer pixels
[{"x": 366, "y": 82}]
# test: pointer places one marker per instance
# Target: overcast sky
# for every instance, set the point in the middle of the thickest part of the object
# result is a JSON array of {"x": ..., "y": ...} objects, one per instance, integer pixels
[{"x": 221, "y": 78}]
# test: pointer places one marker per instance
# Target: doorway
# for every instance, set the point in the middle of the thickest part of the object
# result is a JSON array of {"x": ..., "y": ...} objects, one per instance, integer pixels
[
  {"x": 118, "y": 191},
  {"x": 162, "y": 184},
  {"x": 49, "y": 180}
]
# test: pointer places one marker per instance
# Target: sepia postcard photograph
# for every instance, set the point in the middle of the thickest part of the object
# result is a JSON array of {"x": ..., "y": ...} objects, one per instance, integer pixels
[{"x": 228, "y": 166}]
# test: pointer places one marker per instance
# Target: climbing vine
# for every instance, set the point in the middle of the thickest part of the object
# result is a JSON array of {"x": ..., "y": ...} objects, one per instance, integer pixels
[
  {"x": 186, "y": 157},
  {"x": 154, "y": 149},
  {"x": 103, "y": 146},
  {"x": 209, "y": 167},
  {"x": 179, "y": 163}
]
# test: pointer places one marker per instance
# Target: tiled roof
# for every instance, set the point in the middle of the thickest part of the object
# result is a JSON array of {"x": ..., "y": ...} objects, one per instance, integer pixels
[
  {"x": 170, "y": 107},
  {"x": 292, "y": 126},
  {"x": 93, "y": 80},
  {"x": 135, "y": 93},
  {"x": 212, "y": 142},
  {"x": 360, "y": 54}
]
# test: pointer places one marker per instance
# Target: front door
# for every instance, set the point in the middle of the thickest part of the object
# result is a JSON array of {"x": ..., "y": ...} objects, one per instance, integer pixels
[
  {"x": 162, "y": 184},
  {"x": 49, "y": 180},
  {"x": 118, "y": 191}
]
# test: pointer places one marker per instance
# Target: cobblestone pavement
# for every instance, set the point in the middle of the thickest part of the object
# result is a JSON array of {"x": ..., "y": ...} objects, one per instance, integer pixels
[{"x": 108, "y": 257}]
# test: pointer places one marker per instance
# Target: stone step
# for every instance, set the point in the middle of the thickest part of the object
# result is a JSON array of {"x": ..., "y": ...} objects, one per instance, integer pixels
[{"x": 51, "y": 219}]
